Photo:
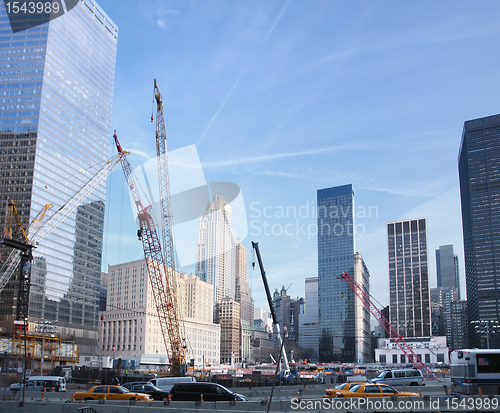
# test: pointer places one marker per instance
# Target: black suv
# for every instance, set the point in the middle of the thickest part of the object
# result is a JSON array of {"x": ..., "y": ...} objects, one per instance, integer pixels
[
  {"x": 147, "y": 388},
  {"x": 211, "y": 392}
]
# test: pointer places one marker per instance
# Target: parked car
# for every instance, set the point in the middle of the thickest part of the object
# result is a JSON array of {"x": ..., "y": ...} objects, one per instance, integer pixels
[
  {"x": 209, "y": 391},
  {"x": 110, "y": 393},
  {"x": 329, "y": 393},
  {"x": 147, "y": 388},
  {"x": 373, "y": 390},
  {"x": 166, "y": 383},
  {"x": 41, "y": 383},
  {"x": 400, "y": 377}
]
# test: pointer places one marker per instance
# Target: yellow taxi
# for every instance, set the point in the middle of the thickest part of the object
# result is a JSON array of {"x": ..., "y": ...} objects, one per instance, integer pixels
[
  {"x": 373, "y": 390},
  {"x": 329, "y": 393},
  {"x": 110, "y": 393}
]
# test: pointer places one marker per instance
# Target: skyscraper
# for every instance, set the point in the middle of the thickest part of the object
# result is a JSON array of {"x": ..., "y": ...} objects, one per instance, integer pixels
[
  {"x": 216, "y": 249},
  {"x": 447, "y": 268},
  {"x": 57, "y": 84},
  {"x": 479, "y": 173},
  {"x": 409, "y": 300},
  {"x": 335, "y": 256},
  {"x": 308, "y": 321},
  {"x": 243, "y": 293}
]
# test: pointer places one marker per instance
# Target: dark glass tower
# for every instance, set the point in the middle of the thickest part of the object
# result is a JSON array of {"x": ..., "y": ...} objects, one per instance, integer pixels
[
  {"x": 479, "y": 173},
  {"x": 409, "y": 295},
  {"x": 56, "y": 94},
  {"x": 335, "y": 256}
]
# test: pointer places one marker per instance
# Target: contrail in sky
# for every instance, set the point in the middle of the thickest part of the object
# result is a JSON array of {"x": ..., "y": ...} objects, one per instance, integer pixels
[{"x": 243, "y": 72}]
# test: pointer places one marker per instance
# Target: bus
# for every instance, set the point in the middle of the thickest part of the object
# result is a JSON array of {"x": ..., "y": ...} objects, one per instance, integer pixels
[{"x": 475, "y": 371}]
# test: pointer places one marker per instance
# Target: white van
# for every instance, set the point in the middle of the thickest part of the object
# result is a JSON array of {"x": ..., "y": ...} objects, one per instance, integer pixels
[
  {"x": 166, "y": 383},
  {"x": 400, "y": 377},
  {"x": 46, "y": 383}
]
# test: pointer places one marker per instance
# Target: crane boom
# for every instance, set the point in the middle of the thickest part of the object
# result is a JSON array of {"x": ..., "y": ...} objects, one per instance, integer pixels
[
  {"x": 173, "y": 325},
  {"x": 155, "y": 262},
  {"x": 38, "y": 230},
  {"x": 255, "y": 246},
  {"x": 393, "y": 333}
]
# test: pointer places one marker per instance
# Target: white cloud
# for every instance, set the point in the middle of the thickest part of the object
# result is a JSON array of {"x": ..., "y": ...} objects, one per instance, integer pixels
[{"x": 162, "y": 24}]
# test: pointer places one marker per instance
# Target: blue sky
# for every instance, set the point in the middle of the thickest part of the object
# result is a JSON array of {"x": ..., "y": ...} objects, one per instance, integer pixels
[{"x": 287, "y": 97}]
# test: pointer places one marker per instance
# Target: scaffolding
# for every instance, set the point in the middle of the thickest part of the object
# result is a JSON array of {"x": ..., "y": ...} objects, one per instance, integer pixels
[{"x": 56, "y": 350}]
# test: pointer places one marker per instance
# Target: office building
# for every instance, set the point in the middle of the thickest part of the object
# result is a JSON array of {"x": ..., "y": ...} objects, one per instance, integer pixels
[
  {"x": 243, "y": 293},
  {"x": 479, "y": 174},
  {"x": 216, "y": 249},
  {"x": 430, "y": 350},
  {"x": 308, "y": 321},
  {"x": 57, "y": 83},
  {"x": 130, "y": 330},
  {"x": 442, "y": 300},
  {"x": 228, "y": 316},
  {"x": 361, "y": 276},
  {"x": 409, "y": 300},
  {"x": 447, "y": 268},
  {"x": 336, "y": 255}
]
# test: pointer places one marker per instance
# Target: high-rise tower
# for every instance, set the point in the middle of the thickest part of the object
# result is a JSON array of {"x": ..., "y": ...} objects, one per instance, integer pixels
[
  {"x": 216, "y": 249},
  {"x": 409, "y": 295},
  {"x": 57, "y": 84},
  {"x": 447, "y": 268},
  {"x": 479, "y": 173},
  {"x": 335, "y": 256}
]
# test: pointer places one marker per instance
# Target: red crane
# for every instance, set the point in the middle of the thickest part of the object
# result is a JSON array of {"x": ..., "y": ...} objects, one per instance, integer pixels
[
  {"x": 155, "y": 262},
  {"x": 178, "y": 350},
  {"x": 393, "y": 333}
]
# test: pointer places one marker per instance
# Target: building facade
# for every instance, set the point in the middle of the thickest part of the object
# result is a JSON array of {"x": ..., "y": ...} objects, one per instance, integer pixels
[
  {"x": 216, "y": 249},
  {"x": 361, "y": 276},
  {"x": 447, "y": 268},
  {"x": 431, "y": 350},
  {"x": 57, "y": 95},
  {"x": 409, "y": 295},
  {"x": 228, "y": 316},
  {"x": 243, "y": 293},
  {"x": 308, "y": 321},
  {"x": 335, "y": 256},
  {"x": 479, "y": 174},
  {"x": 130, "y": 330}
]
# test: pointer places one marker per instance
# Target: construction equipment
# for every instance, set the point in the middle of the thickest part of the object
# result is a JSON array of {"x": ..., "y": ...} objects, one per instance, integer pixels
[
  {"x": 174, "y": 324},
  {"x": 155, "y": 263},
  {"x": 285, "y": 372},
  {"x": 393, "y": 333},
  {"x": 39, "y": 229}
]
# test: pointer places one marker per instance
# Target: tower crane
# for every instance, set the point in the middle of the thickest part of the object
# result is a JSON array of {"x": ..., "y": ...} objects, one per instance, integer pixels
[
  {"x": 393, "y": 333},
  {"x": 155, "y": 263},
  {"x": 174, "y": 324},
  {"x": 39, "y": 229}
]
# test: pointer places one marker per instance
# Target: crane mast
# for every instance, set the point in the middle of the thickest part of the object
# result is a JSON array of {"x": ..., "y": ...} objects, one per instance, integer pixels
[
  {"x": 155, "y": 262},
  {"x": 178, "y": 351},
  {"x": 393, "y": 333}
]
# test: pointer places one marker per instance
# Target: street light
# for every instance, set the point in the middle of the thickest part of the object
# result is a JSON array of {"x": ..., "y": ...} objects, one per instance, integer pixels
[
  {"x": 43, "y": 327},
  {"x": 486, "y": 327}
]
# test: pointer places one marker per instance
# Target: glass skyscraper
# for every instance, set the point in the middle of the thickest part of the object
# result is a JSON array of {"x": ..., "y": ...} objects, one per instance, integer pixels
[
  {"x": 56, "y": 90},
  {"x": 479, "y": 173},
  {"x": 336, "y": 309},
  {"x": 409, "y": 294}
]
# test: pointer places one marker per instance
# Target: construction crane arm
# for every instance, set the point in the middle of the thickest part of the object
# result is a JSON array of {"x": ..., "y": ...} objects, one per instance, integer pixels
[
  {"x": 393, "y": 333},
  {"x": 255, "y": 246},
  {"x": 38, "y": 230},
  {"x": 155, "y": 263},
  {"x": 174, "y": 325}
]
